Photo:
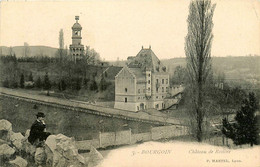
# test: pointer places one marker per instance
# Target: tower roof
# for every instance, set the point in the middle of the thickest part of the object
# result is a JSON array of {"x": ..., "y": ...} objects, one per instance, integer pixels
[{"x": 76, "y": 25}]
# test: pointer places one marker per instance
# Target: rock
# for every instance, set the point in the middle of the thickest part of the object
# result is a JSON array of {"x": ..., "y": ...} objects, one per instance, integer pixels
[
  {"x": 6, "y": 151},
  {"x": 16, "y": 139},
  {"x": 5, "y": 129},
  {"x": 19, "y": 162},
  {"x": 28, "y": 147},
  {"x": 95, "y": 157},
  {"x": 61, "y": 151},
  {"x": 5, "y": 125},
  {"x": 51, "y": 142},
  {"x": 27, "y": 133},
  {"x": 3, "y": 142}
]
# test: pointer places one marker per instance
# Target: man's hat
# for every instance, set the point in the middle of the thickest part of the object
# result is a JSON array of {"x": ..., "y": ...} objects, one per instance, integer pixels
[{"x": 40, "y": 114}]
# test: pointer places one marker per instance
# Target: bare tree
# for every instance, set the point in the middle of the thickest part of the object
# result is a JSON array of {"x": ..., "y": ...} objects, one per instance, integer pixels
[
  {"x": 11, "y": 51},
  {"x": 26, "y": 49},
  {"x": 198, "y": 54},
  {"x": 61, "y": 45}
]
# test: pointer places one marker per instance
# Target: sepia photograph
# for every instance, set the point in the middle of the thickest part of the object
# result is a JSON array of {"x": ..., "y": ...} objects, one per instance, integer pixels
[{"x": 130, "y": 83}]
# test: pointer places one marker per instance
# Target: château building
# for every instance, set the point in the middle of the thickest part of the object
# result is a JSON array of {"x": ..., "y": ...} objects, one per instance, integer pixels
[
  {"x": 142, "y": 84},
  {"x": 76, "y": 48}
]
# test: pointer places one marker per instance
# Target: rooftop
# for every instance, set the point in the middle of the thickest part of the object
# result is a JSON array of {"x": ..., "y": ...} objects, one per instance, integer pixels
[{"x": 146, "y": 59}]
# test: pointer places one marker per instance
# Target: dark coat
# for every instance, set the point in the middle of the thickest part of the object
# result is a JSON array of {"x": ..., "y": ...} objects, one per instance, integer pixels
[{"x": 37, "y": 132}]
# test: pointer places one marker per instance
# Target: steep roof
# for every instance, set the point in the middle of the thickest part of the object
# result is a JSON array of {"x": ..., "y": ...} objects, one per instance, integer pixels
[
  {"x": 146, "y": 59},
  {"x": 139, "y": 74},
  {"x": 111, "y": 72}
]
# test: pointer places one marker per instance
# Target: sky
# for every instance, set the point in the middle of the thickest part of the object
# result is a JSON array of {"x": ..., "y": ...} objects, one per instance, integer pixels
[{"x": 119, "y": 28}]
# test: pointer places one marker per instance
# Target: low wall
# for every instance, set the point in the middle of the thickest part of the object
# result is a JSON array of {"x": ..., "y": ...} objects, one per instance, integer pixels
[
  {"x": 141, "y": 137},
  {"x": 127, "y": 137},
  {"x": 168, "y": 132}
]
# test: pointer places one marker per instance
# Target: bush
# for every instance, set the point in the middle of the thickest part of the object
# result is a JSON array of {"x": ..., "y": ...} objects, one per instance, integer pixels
[{"x": 6, "y": 83}]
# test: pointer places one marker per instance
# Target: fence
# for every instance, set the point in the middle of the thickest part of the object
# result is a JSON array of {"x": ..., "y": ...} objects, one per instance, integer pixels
[{"x": 127, "y": 137}]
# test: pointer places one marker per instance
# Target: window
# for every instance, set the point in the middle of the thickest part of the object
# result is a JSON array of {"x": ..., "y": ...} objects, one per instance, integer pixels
[
  {"x": 139, "y": 91},
  {"x": 125, "y": 89},
  {"x": 138, "y": 97},
  {"x": 167, "y": 89},
  {"x": 162, "y": 89},
  {"x": 137, "y": 108},
  {"x": 125, "y": 100},
  {"x": 166, "y": 81},
  {"x": 157, "y": 106},
  {"x": 149, "y": 81},
  {"x": 162, "y": 81},
  {"x": 149, "y": 89},
  {"x": 156, "y": 97},
  {"x": 149, "y": 75},
  {"x": 157, "y": 80},
  {"x": 157, "y": 89}
]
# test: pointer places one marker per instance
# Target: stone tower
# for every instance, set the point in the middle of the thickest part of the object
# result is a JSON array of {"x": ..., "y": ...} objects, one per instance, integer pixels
[{"x": 76, "y": 48}]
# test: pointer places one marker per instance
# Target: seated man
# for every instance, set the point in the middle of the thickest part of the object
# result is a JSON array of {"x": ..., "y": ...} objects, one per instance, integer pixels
[
  {"x": 37, "y": 137},
  {"x": 38, "y": 131}
]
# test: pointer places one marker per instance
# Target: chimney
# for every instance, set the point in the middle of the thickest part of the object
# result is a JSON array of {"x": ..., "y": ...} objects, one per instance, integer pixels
[
  {"x": 142, "y": 47},
  {"x": 150, "y": 47}
]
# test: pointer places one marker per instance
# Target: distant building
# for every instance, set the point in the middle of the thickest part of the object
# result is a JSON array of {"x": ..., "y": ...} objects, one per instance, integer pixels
[
  {"x": 142, "y": 84},
  {"x": 76, "y": 48}
]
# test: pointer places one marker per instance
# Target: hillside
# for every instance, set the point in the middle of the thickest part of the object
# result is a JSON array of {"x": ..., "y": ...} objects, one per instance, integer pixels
[
  {"x": 33, "y": 50},
  {"x": 234, "y": 68}
]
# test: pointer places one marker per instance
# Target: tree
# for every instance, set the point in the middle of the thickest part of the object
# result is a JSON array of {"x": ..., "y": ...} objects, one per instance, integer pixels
[
  {"x": 198, "y": 54},
  {"x": 31, "y": 77},
  {"x": 38, "y": 83},
  {"x": 6, "y": 83},
  {"x": 47, "y": 83},
  {"x": 61, "y": 45},
  {"x": 22, "y": 81},
  {"x": 11, "y": 51},
  {"x": 26, "y": 49},
  {"x": 93, "y": 85},
  {"x": 245, "y": 130},
  {"x": 103, "y": 84},
  {"x": 179, "y": 75}
]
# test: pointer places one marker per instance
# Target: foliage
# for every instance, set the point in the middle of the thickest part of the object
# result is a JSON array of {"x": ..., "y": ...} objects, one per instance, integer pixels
[
  {"x": 245, "y": 130},
  {"x": 198, "y": 56},
  {"x": 38, "y": 83},
  {"x": 179, "y": 76},
  {"x": 30, "y": 77},
  {"x": 22, "y": 81},
  {"x": 103, "y": 84},
  {"x": 6, "y": 83},
  {"x": 93, "y": 85},
  {"x": 47, "y": 83},
  {"x": 62, "y": 85}
]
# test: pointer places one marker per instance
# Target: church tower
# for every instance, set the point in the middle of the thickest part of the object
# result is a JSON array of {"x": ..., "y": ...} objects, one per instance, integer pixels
[{"x": 76, "y": 48}]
